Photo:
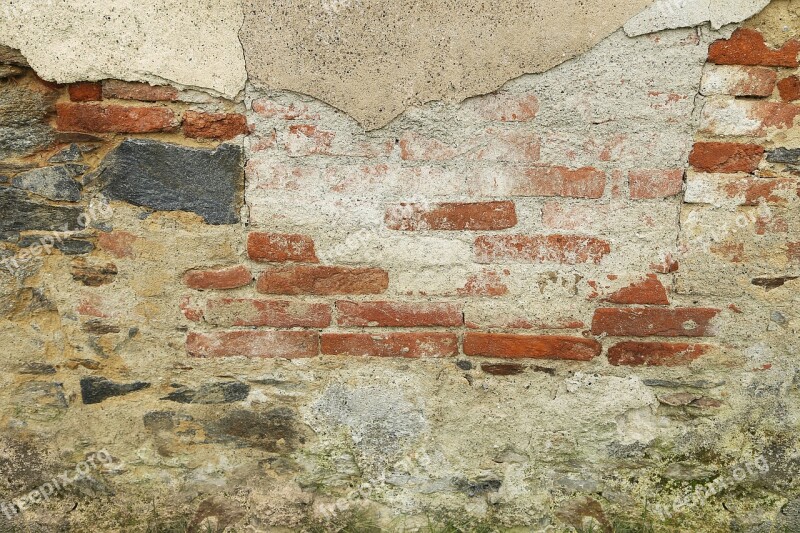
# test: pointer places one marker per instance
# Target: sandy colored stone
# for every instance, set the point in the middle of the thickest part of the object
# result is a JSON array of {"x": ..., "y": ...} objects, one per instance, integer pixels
[
  {"x": 375, "y": 59},
  {"x": 190, "y": 43},
  {"x": 671, "y": 14}
]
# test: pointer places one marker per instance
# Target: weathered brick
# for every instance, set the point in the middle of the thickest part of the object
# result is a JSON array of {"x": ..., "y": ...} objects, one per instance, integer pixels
[
  {"x": 793, "y": 251},
  {"x": 272, "y": 344},
  {"x": 125, "y": 90},
  {"x": 191, "y": 310},
  {"x": 654, "y": 353},
  {"x": 646, "y": 321},
  {"x": 85, "y": 91},
  {"x": 747, "y": 47},
  {"x": 417, "y": 147},
  {"x": 229, "y": 312},
  {"x": 218, "y": 278},
  {"x": 95, "y": 118},
  {"x": 729, "y": 117},
  {"x": 504, "y": 107},
  {"x": 649, "y": 184},
  {"x": 219, "y": 126},
  {"x": 564, "y": 249},
  {"x": 586, "y": 182},
  {"x": 748, "y": 190},
  {"x": 399, "y": 314},
  {"x": 306, "y": 139},
  {"x": 509, "y": 146},
  {"x": 281, "y": 247},
  {"x": 789, "y": 88},
  {"x": 738, "y": 81},
  {"x": 726, "y": 157},
  {"x": 648, "y": 291},
  {"x": 452, "y": 216},
  {"x": 271, "y": 109},
  {"x": 324, "y": 280},
  {"x": 411, "y": 345},
  {"x": 530, "y": 346},
  {"x": 485, "y": 283},
  {"x": 118, "y": 243}
]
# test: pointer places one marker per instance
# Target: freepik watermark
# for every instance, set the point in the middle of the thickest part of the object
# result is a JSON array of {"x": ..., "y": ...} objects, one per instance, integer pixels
[
  {"x": 96, "y": 212},
  {"x": 702, "y": 493},
  {"x": 56, "y": 485}
]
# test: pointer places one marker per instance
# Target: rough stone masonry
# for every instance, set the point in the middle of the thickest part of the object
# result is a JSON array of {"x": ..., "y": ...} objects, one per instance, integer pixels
[{"x": 390, "y": 266}]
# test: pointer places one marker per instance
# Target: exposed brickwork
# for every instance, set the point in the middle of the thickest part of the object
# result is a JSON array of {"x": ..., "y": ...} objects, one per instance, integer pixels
[
  {"x": 747, "y": 47},
  {"x": 789, "y": 88},
  {"x": 272, "y": 344},
  {"x": 654, "y": 353},
  {"x": 229, "y": 312},
  {"x": 530, "y": 346},
  {"x": 410, "y": 345},
  {"x": 219, "y": 126},
  {"x": 650, "y": 184},
  {"x": 399, "y": 314},
  {"x": 726, "y": 157},
  {"x": 454, "y": 216},
  {"x": 278, "y": 247},
  {"x": 646, "y": 322},
  {"x": 323, "y": 280},
  {"x": 85, "y": 92},
  {"x": 144, "y": 92},
  {"x": 95, "y": 118},
  {"x": 649, "y": 291},
  {"x": 220, "y": 278}
]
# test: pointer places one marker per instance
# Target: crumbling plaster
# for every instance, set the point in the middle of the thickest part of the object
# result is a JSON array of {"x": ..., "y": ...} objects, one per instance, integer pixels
[{"x": 370, "y": 58}]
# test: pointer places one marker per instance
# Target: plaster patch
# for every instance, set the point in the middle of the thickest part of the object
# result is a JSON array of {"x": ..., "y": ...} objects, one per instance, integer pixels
[
  {"x": 374, "y": 59},
  {"x": 190, "y": 43},
  {"x": 672, "y": 14}
]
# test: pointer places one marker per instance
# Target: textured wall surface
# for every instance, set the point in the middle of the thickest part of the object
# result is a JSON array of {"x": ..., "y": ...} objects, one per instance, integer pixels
[{"x": 567, "y": 305}]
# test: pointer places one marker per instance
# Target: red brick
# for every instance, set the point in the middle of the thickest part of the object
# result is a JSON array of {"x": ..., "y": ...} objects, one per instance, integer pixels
[
  {"x": 228, "y": 312},
  {"x": 754, "y": 191},
  {"x": 747, "y": 47},
  {"x": 647, "y": 321},
  {"x": 505, "y": 107},
  {"x": 411, "y": 345},
  {"x": 654, "y": 353},
  {"x": 416, "y": 147},
  {"x": 399, "y": 314},
  {"x": 85, "y": 92},
  {"x": 125, "y": 90},
  {"x": 746, "y": 117},
  {"x": 218, "y": 278},
  {"x": 649, "y": 291},
  {"x": 94, "y": 118},
  {"x": 281, "y": 247},
  {"x": 530, "y": 346},
  {"x": 118, "y": 243},
  {"x": 219, "y": 126},
  {"x": 452, "y": 216},
  {"x": 325, "y": 280},
  {"x": 789, "y": 88},
  {"x": 726, "y": 157},
  {"x": 586, "y": 182},
  {"x": 272, "y": 344},
  {"x": 271, "y": 109},
  {"x": 486, "y": 283},
  {"x": 191, "y": 311},
  {"x": 564, "y": 249},
  {"x": 649, "y": 184}
]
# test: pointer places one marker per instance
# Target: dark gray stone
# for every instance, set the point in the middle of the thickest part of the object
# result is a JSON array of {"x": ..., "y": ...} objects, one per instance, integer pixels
[
  {"x": 273, "y": 431},
  {"x": 67, "y": 155},
  {"x": 24, "y": 126},
  {"x": 169, "y": 177},
  {"x": 21, "y": 213},
  {"x": 478, "y": 487},
  {"x": 97, "y": 389},
  {"x": 74, "y": 246},
  {"x": 787, "y": 156},
  {"x": 37, "y": 369},
  {"x": 211, "y": 393},
  {"x": 54, "y": 183}
]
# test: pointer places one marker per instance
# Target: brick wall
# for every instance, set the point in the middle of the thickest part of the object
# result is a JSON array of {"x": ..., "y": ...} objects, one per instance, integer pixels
[{"x": 632, "y": 222}]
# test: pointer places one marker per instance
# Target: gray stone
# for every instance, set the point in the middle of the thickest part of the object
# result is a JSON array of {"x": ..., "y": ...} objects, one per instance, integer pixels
[
  {"x": 20, "y": 213},
  {"x": 787, "y": 156},
  {"x": 96, "y": 389},
  {"x": 12, "y": 56},
  {"x": 67, "y": 155},
  {"x": 37, "y": 369},
  {"x": 10, "y": 71},
  {"x": 54, "y": 183},
  {"x": 74, "y": 247},
  {"x": 211, "y": 393},
  {"x": 168, "y": 177},
  {"x": 273, "y": 431},
  {"x": 23, "y": 119}
]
